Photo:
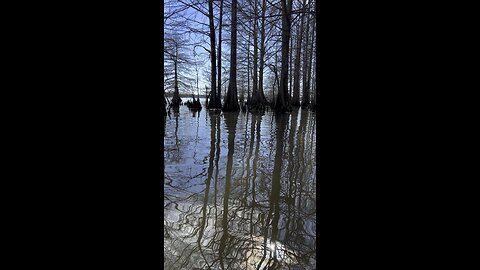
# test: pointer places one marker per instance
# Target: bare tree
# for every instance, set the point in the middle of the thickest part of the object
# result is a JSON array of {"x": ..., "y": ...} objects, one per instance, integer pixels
[
  {"x": 258, "y": 100},
  {"x": 283, "y": 100},
  {"x": 313, "y": 74},
  {"x": 254, "y": 41},
  {"x": 248, "y": 69},
  {"x": 290, "y": 80},
  {"x": 255, "y": 99},
  {"x": 214, "y": 101},
  {"x": 219, "y": 59},
  {"x": 231, "y": 102},
  {"x": 296, "y": 76},
  {"x": 177, "y": 66},
  {"x": 261, "y": 93},
  {"x": 308, "y": 58}
]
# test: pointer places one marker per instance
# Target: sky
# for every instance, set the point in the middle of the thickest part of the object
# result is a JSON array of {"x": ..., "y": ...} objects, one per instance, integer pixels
[{"x": 202, "y": 55}]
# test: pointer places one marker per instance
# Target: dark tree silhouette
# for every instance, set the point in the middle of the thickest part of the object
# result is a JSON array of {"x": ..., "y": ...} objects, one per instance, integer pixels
[
  {"x": 231, "y": 101},
  {"x": 296, "y": 75},
  {"x": 219, "y": 58},
  {"x": 283, "y": 99},
  {"x": 308, "y": 59},
  {"x": 259, "y": 30},
  {"x": 261, "y": 95},
  {"x": 258, "y": 99},
  {"x": 177, "y": 61},
  {"x": 214, "y": 101}
]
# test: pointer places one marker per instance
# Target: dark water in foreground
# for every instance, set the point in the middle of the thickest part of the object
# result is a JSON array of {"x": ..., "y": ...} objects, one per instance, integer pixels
[{"x": 239, "y": 190}]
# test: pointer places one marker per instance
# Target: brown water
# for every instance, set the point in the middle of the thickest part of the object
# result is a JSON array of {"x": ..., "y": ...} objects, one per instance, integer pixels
[{"x": 239, "y": 190}]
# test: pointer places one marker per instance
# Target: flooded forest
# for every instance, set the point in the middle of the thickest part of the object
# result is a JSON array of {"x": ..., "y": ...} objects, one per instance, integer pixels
[{"x": 239, "y": 134}]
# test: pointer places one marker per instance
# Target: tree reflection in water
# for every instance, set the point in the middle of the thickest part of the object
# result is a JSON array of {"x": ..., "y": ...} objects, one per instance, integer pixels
[{"x": 251, "y": 202}]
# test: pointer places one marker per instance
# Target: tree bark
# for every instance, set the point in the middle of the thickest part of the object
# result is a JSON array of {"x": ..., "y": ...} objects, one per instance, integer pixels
[
  {"x": 283, "y": 99},
  {"x": 176, "y": 94},
  {"x": 248, "y": 70},
  {"x": 314, "y": 76},
  {"x": 290, "y": 59},
  {"x": 307, "y": 74},
  {"x": 213, "y": 102},
  {"x": 219, "y": 93},
  {"x": 296, "y": 76},
  {"x": 231, "y": 102},
  {"x": 276, "y": 78}
]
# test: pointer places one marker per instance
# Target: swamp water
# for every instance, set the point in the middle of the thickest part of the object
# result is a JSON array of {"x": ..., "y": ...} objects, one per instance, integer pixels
[{"x": 239, "y": 190}]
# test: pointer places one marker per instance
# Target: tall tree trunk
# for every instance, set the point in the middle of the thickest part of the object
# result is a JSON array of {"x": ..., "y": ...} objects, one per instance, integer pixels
[
  {"x": 206, "y": 94},
  {"x": 164, "y": 100},
  {"x": 307, "y": 65},
  {"x": 198, "y": 89},
  {"x": 261, "y": 94},
  {"x": 314, "y": 88},
  {"x": 213, "y": 102},
  {"x": 164, "y": 107},
  {"x": 176, "y": 94},
  {"x": 296, "y": 76},
  {"x": 255, "y": 100},
  {"x": 314, "y": 76},
  {"x": 290, "y": 59},
  {"x": 283, "y": 99},
  {"x": 276, "y": 78},
  {"x": 248, "y": 69},
  {"x": 273, "y": 92},
  {"x": 231, "y": 102},
  {"x": 219, "y": 93}
]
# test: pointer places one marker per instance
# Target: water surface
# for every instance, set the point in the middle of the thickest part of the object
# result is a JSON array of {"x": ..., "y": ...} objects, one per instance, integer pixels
[{"x": 239, "y": 190}]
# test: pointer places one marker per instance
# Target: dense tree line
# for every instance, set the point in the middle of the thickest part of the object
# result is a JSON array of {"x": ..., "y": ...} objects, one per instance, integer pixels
[{"x": 269, "y": 53}]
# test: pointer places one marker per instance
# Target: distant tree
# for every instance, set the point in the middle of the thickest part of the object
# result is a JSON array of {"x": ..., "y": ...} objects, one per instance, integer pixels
[
  {"x": 261, "y": 94},
  {"x": 198, "y": 28},
  {"x": 163, "y": 101},
  {"x": 177, "y": 66},
  {"x": 178, "y": 62},
  {"x": 258, "y": 99},
  {"x": 276, "y": 81}
]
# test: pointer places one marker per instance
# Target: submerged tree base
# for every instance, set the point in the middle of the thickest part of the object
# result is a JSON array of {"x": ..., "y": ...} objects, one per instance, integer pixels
[
  {"x": 195, "y": 104},
  {"x": 212, "y": 105},
  {"x": 231, "y": 104},
  {"x": 283, "y": 109},
  {"x": 257, "y": 108}
]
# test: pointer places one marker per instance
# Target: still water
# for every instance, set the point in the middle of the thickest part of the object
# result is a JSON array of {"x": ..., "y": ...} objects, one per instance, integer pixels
[{"x": 239, "y": 190}]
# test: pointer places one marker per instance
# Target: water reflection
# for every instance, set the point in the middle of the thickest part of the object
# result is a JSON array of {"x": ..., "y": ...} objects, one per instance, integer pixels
[
  {"x": 249, "y": 203},
  {"x": 195, "y": 112}
]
